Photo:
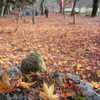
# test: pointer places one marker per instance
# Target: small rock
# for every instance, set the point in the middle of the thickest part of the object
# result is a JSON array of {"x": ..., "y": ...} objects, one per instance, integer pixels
[
  {"x": 85, "y": 84},
  {"x": 87, "y": 90},
  {"x": 3, "y": 97},
  {"x": 75, "y": 78},
  {"x": 58, "y": 75},
  {"x": 13, "y": 72}
]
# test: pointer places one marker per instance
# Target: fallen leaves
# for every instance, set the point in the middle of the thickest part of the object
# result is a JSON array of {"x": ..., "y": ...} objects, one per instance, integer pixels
[
  {"x": 66, "y": 47},
  {"x": 68, "y": 86},
  {"x": 5, "y": 85},
  {"x": 47, "y": 93},
  {"x": 24, "y": 84},
  {"x": 67, "y": 94},
  {"x": 95, "y": 84}
]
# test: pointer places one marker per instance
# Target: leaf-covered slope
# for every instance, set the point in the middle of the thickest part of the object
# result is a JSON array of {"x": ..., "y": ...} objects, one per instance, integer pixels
[{"x": 65, "y": 46}]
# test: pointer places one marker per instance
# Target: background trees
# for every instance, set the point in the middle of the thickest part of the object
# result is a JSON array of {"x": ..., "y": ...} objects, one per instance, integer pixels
[
  {"x": 81, "y": 3},
  {"x": 6, "y": 6},
  {"x": 66, "y": 2},
  {"x": 60, "y": 4}
]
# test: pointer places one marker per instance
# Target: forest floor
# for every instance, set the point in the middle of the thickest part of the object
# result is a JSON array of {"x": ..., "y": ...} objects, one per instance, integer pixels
[{"x": 66, "y": 47}]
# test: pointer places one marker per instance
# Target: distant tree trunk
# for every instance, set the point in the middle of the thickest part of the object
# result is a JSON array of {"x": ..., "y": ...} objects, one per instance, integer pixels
[
  {"x": 5, "y": 7},
  {"x": 2, "y": 7},
  {"x": 60, "y": 5},
  {"x": 80, "y": 10},
  {"x": 42, "y": 7},
  {"x": 73, "y": 12},
  {"x": 33, "y": 14},
  {"x": 18, "y": 20},
  {"x": 86, "y": 9},
  {"x": 95, "y": 7},
  {"x": 74, "y": 19},
  {"x": 6, "y": 10},
  {"x": 73, "y": 9},
  {"x": 2, "y": 10},
  {"x": 15, "y": 7},
  {"x": 60, "y": 8}
]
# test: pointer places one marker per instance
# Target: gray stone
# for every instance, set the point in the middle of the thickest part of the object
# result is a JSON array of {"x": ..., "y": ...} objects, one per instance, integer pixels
[
  {"x": 85, "y": 84},
  {"x": 34, "y": 62},
  {"x": 87, "y": 90},
  {"x": 3, "y": 97},
  {"x": 75, "y": 78},
  {"x": 90, "y": 94},
  {"x": 13, "y": 72},
  {"x": 58, "y": 75}
]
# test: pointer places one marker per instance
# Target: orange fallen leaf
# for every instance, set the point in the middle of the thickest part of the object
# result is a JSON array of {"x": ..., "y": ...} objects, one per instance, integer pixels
[
  {"x": 95, "y": 84},
  {"x": 68, "y": 85},
  {"x": 5, "y": 85},
  {"x": 67, "y": 94},
  {"x": 27, "y": 85}
]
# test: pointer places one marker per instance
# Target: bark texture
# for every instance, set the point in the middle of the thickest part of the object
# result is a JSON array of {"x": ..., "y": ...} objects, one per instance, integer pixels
[{"x": 95, "y": 7}]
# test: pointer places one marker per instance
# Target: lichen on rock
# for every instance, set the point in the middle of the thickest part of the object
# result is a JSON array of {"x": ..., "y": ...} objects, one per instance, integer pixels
[{"x": 34, "y": 62}]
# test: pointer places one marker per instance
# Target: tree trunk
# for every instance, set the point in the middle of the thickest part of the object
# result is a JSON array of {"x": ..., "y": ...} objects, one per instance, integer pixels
[
  {"x": 33, "y": 13},
  {"x": 33, "y": 16},
  {"x": 79, "y": 10},
  {"x": 6, "y": 10},
  {"x": 4, "y": 2},
  {"x": 42, "y": 7},
  {"x": 86, "y": 9},
  {"x": 74, "y": 19},
  {"x": 60, "y": 5},
  {"x": 95, "y": 7},
  {"x": 60, "y": 8},
  {"x": 73, "y": 12},
  {"x": 19, "y": 17},
  {"x": 73, "y": 9},
  {"x": 15, "y": 8},
  {"x": 2, "y": 11}
]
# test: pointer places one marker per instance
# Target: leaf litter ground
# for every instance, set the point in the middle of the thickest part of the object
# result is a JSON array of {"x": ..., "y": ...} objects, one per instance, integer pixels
[{"x": 65, "y": 46}]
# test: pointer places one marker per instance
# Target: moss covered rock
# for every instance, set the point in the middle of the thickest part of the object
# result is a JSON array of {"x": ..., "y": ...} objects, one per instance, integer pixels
[{"x": 34, "y": 62}]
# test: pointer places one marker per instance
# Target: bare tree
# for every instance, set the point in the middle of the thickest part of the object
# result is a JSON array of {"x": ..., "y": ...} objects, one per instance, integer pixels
[
  {"x": 21, "y": 3},
  {"x": 3, "y": 6},
  {"x": 60, "y": 4},
  {"x": 33, "y": 13},
  {"x": 95, "y": 7},
  {"x": 73, "y": 9},
  {"x": 66, "y": 2},
  {"x": 42, "y": 7}
]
